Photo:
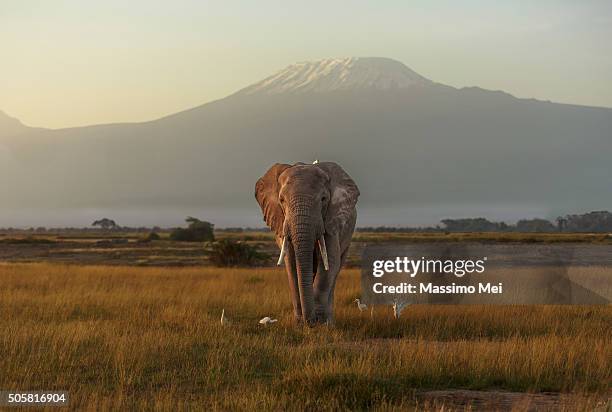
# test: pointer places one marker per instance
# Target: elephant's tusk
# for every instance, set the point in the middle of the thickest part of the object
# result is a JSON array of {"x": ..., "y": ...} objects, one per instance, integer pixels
[
  {"x": 323, "y": 250},
  {"x": 283, "y": 251}
]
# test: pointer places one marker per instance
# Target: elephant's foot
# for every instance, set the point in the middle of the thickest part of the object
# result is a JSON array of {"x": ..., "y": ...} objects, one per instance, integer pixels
[
  {"x": 330, "y": 316},
  {"x": 321, "y": 317},
  {"x": 312, "y": 322},
  {"x": 300, "y": 321}
]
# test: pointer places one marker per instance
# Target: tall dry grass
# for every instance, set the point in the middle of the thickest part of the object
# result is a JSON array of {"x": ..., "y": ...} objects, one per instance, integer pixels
[{"x": 150, "y": 338}]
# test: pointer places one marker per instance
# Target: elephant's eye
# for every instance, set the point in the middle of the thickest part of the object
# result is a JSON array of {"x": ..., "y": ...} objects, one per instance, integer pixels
[
  {"x": 282, "y": 199},
  {"x": 324, "y": 199}
]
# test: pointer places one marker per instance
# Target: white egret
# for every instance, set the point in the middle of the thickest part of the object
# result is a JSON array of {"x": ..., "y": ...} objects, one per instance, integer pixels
[
  {"x": 361, "y": 306},
  {"x": 267, "y": 320}
]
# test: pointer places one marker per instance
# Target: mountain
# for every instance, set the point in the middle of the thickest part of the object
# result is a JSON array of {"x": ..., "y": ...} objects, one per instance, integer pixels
[
  {"x": 10, "y": 126},
  {"x": 419, "y": 150}
]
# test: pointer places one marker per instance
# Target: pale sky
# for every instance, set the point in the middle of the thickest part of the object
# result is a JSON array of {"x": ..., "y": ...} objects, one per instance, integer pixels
[{"x": 77, "y": 62}]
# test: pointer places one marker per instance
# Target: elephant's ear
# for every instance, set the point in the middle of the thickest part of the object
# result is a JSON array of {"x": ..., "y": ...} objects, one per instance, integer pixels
[
  {"x": 344, "y": 194},
  {"x": 266, "y": 193}
]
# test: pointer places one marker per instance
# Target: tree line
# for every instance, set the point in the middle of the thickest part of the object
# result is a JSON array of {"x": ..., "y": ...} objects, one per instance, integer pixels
[
  {"x": 592, "y": 222},
  {"x": 198, "y": 230}
]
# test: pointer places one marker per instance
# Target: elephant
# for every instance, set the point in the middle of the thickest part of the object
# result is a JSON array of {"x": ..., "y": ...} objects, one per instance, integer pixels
[{"x": 310, "y": 205}]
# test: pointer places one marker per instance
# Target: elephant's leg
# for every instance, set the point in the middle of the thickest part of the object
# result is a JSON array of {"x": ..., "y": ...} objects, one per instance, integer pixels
[
  {"x": 342, "y": 243},
  {"x": 321, "y": 287},
  {"x": 293, "y": 282},
  {"x": 325, "y": 279},
  {"x": 330, "y": 298}
]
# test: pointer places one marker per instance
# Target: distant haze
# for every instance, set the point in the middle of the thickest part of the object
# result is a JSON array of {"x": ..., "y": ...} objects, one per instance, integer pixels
[{"x": 419, "y": 150}]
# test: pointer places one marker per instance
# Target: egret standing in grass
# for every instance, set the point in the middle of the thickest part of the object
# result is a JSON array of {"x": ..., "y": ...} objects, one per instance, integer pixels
[{"x": 361, "y": 306}]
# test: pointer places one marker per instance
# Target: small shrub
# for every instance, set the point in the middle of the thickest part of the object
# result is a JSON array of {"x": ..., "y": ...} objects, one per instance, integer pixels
[
  {"x": 197, "y": 231},
  {"x": 149, "y": 238},
  {"x": 106, "y": 224},
  {"x": 228, "y": 252}
]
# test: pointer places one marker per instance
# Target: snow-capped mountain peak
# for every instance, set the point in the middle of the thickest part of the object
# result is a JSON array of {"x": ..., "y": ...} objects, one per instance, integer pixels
[{"x": 353, "y": 73}]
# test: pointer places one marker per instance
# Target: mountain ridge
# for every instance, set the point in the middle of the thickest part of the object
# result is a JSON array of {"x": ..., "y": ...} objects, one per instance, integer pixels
[
  {"x": 10, "y": 126},
  {"x": 263, "y": 87},
  {"x": 427, "y": 152}
]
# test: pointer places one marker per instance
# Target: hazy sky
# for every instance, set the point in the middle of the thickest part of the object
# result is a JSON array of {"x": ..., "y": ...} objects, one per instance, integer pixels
[{"x": 69, "y": 63}]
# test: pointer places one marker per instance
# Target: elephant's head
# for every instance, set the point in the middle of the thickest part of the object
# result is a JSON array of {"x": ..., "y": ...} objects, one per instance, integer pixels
[{"x": 302, "y": 204}]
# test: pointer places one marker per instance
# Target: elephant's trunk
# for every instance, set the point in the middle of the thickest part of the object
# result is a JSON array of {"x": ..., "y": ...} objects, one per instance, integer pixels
[
  {"x": 304, "y": 245},
  {"x": 303, "y": 237}
]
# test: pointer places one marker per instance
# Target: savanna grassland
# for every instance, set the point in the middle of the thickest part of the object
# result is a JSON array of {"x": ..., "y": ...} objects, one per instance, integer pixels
[
  {"x": 136, "y": 338},
  {"x": 115, "y": 247}
]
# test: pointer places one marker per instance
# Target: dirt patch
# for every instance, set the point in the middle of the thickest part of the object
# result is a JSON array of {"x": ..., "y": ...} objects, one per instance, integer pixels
[{"x": 512, "y": 401}]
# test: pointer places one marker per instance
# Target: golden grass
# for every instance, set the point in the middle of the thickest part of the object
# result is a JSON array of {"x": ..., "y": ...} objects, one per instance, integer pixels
[{"x": 150, "y": 338}]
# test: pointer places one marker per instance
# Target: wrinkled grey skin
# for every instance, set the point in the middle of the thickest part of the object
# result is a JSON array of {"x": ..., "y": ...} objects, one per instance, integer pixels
[{"x": 305, "y": 202}]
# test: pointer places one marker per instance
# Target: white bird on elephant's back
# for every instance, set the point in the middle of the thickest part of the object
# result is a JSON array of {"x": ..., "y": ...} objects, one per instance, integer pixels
[{"x": 311, "y": 210}]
